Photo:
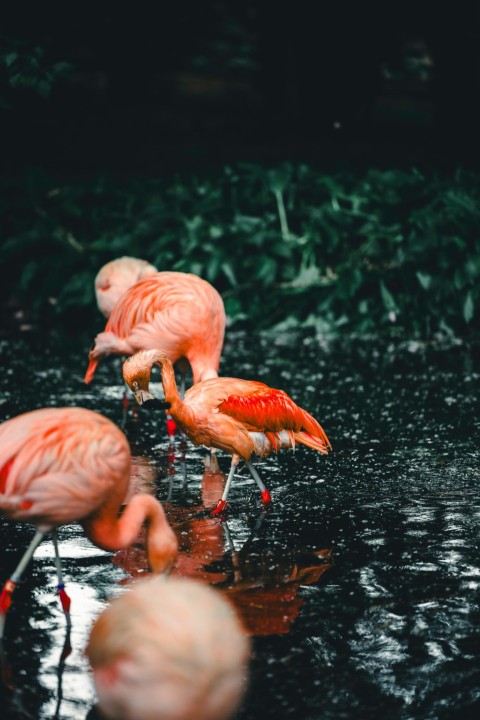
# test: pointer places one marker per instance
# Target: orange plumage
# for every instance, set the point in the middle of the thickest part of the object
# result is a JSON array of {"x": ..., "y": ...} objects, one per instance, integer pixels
[{"x": 242, "y": 417}]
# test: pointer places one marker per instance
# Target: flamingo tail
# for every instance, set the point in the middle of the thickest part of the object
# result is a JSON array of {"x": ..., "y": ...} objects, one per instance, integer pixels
[{"x": 321, "y": 444}]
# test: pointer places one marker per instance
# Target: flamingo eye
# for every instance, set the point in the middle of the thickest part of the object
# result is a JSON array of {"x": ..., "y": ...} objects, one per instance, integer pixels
[{"x": 135, "y": 385}]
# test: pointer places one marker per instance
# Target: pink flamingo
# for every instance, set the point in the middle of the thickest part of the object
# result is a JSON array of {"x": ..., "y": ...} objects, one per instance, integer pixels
[
  {"x": 65, "y": 465},
  {"x": 178, "y": 313}
]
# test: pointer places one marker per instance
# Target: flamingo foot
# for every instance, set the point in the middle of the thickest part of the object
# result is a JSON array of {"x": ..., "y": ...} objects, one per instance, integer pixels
[
  {"x": 171, "y": 428},
  {"x": 5, "y": 602},
  {"x": 221, "y": 507},
  {"x": 266, "y": 497},
  {"x": 6, "y": 596},
  {"x": 64, "y": 599}
]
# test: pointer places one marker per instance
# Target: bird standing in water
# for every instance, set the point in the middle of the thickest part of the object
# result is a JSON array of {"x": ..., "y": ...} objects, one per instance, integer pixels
[
  {"x": 169, "y": 649},
  {"x": 242, "y": 417},
  {"x": 177, "y": 313},
  {"x": 65, "y": 465},
  {"x": 116, "y": 277}
]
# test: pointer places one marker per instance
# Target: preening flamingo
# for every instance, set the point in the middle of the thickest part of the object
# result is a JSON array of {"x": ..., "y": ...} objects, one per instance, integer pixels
[
  {"x": 65, "y": 465},
  {"x": 169, "y": 649},
  {"x": 178, "y": 313},
  {"x": 242, "y": 417},
  {"x": 116, "y": 277}
]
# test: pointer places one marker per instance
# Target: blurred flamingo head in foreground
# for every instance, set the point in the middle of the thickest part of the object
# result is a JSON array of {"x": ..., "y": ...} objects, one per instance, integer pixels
[{"x": 169, "y": 649}]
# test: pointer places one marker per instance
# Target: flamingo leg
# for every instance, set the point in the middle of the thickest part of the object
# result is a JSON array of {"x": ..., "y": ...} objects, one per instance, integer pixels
[
  {"x": 181, "y": 390},
  {"x": 266, "y": 497},
  {"x": 171, "y": 427},
  {"x": 64, "y": 598},
  {"x": 11, "y": 583},
  {"x": 222, "y": 503}
]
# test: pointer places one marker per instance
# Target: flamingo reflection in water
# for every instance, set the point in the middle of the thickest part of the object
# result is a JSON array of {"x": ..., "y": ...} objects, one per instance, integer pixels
[{"x": 263, "y": 585}]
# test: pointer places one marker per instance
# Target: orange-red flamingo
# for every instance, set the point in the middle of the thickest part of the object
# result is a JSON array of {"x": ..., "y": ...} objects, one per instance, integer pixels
[
  {"x": 65, "y": 465},
  {"x": 178, "y": 313},
  {"x": 242, "y": 417},
  {"x": 116, "y": 277},
  {"x": 169, "y": 649}
]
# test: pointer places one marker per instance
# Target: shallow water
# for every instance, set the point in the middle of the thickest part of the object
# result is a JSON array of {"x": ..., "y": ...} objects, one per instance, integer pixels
[{"x": 360, "y": 584}]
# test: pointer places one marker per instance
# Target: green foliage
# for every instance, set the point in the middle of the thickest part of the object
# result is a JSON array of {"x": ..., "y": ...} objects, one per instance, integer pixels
[
  {"x": 285, "y": 245},
  {"x": 23, "y": 65}
]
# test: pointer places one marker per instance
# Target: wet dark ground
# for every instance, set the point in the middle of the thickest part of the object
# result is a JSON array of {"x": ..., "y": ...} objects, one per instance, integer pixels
[{"x": 360, "y": 584}]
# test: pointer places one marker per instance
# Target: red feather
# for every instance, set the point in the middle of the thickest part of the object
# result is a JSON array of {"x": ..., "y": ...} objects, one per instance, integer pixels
[{"x": 269, "y": 410}]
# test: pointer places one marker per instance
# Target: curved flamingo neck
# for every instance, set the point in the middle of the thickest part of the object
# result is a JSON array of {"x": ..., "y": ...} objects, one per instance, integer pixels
[
  {"x": 170, "y": 389},
  {"x": 111, "y": 532},
  {"x": 179, "y": 411}
]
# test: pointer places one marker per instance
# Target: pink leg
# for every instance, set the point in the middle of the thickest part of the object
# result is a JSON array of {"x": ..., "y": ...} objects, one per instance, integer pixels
[
  {"x": 266, "y": 497},
  {"x": 222, "y": 503},
  {"x": 171, "y": 427},
  {"x": 10, "y": 585},
  {"x": 64, "y": 598}
]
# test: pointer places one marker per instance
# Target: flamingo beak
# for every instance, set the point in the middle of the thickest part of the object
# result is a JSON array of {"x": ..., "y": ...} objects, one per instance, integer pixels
[
  {"x": 92, "y": 366},
  {"x": 141, "y": 396}
]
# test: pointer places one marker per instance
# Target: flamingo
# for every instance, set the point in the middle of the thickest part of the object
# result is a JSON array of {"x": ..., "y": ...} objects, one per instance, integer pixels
[
  {"x": 169, "y": 649},
  {"x": 116, "y": 277},
  {"x": 242, "y": 417},
  {"x": 178, "y": 313},
  {"x": 64, "y": 465}
]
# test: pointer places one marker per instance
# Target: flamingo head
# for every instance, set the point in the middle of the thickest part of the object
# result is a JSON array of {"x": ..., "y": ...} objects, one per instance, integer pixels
[
  {"x": 140, "y": 395},
  {"x": 138, "y": 380}
]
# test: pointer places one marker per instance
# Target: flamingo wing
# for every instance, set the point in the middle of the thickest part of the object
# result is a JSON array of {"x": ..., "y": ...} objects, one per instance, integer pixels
[{"x": 266, "y": 409}]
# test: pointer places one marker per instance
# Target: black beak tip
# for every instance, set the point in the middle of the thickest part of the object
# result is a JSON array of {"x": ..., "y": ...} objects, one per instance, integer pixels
[{"x": 156, "y": 404}]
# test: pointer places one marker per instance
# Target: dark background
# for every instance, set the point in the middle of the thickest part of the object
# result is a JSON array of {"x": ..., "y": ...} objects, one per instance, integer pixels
[{"x": 155, "y": 87}]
